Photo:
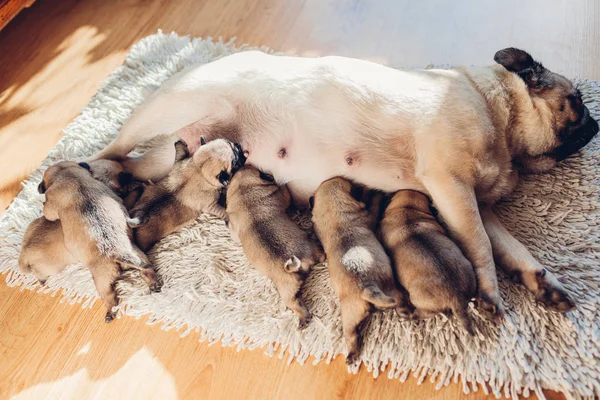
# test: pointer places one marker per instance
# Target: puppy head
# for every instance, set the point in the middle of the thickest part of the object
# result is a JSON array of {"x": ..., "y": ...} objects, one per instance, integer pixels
[
  {"x": 63, "y": 169},
  {"x": 560, "y": 106},
  {"x": 249, "y": 176},
  {"x": 337, "y": 192},
  {"x": 112, "y": 174},
  {"x": 410, "y": 199},
  {"x": 218, "y": 160}
]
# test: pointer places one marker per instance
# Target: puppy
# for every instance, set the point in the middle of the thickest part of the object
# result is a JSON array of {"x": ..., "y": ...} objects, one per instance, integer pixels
[
  {"x": 43, "y": 250},
  {"x": 94, "y": 228},
  {"x": 429, "y": 265},
  {"x": 359, "y": 268},
  {"x": 194, "y": 185},
  {"x": 273, "y": 243}
]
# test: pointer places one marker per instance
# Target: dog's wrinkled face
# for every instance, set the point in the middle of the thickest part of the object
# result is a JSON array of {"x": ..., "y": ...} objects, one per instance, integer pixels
[
  {"x": 58, "y": 169},
  {"x": 559, "y": 103},
  {"x": 218, "y": 160}
]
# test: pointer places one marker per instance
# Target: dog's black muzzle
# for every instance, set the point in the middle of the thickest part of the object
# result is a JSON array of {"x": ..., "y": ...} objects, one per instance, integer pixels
[
  {"x": 239, "y": 159},
  {"x": 578, "y": 136}
]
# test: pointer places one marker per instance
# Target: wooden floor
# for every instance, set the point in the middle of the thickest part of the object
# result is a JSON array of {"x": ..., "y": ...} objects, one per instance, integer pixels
[{"x": 52, "y": 59}]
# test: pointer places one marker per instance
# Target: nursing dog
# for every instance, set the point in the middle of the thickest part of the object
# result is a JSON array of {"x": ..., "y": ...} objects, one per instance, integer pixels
[
  {"x": 428, "y": 264},
  {"x": 195, "y": 185},
  {"x": 273, "y": 243},
  {"x": 462, "y": 136},
  {"x": 360, "y": 270},
  {"x": 94, "y": 226}
]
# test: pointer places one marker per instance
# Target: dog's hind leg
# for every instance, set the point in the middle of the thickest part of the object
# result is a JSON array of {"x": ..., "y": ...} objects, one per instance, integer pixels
[
  {"x": 354, "y": 315},
  {"x": 516, "y": 260},
  {"x": 105, "y": 274}
]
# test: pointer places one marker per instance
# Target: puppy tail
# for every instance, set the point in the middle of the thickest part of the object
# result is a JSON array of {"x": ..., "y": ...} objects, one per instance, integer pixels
[
  {"x": 461, "y": 311},
  {"x": 292, "y": 264},
  {"x": 374, "y": 295}
]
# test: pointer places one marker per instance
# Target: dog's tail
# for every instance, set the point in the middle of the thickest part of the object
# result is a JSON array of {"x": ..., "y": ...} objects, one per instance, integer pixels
[
  {"x": 374, "y": 295},
  {"x": 461, "y": 311}
]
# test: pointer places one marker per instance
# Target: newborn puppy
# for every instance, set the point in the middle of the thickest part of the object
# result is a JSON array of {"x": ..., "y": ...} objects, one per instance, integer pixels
[
  {"x": 273, "y": 243},
  {"x": 193, "y": 186},
  {"x": 359, "y": 268},
  {"x": 94, "y": 227},
  {"x": 43, "y": 250},
  {"x": 428, "y": 263}
]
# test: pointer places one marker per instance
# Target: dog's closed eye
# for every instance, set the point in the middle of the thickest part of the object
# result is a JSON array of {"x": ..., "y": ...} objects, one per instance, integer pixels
[{"x": 266, "y": 177}]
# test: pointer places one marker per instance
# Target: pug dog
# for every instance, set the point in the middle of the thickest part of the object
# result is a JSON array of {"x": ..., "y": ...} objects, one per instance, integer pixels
[
  {"x": 195, "y": 185},
  {"x": 43, "y": 250},
  {"x": 428, "y": 264},
  {"x": 273, "y": 243},
  {"x": 94, "y": 228},
  {"x": 461, "y": 136},
  {"x": 359, "y": 268}
]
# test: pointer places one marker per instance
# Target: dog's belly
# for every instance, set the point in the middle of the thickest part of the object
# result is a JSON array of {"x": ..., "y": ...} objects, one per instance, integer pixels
[{"x": 305, "y": 163}]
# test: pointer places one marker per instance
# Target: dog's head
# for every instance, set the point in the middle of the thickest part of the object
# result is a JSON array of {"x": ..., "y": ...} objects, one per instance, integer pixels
[
  {"x": 112, "y": 174},
  {"x": 566, "y": 122},
  {"x": 63, "y": 170},
  {"x": 218, "y": 160}
]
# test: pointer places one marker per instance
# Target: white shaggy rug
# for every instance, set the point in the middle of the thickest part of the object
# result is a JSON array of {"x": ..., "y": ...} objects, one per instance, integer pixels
[{"x": 209, "y": 286}]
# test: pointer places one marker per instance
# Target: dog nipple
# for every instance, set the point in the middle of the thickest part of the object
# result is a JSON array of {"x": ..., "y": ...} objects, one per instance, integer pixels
[
  {"x": 282, "y": 153},
  {"x": 349, "y": 160}
]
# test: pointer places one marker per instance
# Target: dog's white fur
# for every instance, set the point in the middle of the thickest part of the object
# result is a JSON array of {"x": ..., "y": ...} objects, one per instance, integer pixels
[{"x": 304, "y": 120}]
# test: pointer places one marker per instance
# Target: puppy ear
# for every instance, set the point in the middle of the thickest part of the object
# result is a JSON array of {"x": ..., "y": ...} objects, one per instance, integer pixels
[
  {"x": 42, "y": 188},
  {"x": 85, "y": 165},
  {"x": 125, "y": 178},
  {"x": 266, "y": 177},
  {"x": 181, "y": 150},
  {"x": 202, "y": 140},
  {"x": 520, "y": 62},
  {"x": 311, "y": 202}
]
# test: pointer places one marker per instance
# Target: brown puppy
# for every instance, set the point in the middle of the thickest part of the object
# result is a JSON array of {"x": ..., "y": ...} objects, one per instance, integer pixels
[
  {"x": 360, "y": 270},
  {"x": 112, "y": 174},
  {"x": 194, "y": 185},
  {"x": 273, "y": 243},
  {"x": 43, "y": 250},
  {"x": 94, "y": 227},
  {"x": 429, "y": 265}
]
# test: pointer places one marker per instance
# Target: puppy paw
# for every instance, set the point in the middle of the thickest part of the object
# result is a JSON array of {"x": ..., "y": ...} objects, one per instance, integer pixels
[
  {"x": 551, "y": 293},
  {"x": 490, "y": 308},
  {"x": 353, "y": 357},
  {"x": 109, "y": 317},
  {"x": 42, "y": 282},
  {"x": 304, "y": 321},
  {"x": 405, "y": 312},
  {"x": 155, "y": 287}
]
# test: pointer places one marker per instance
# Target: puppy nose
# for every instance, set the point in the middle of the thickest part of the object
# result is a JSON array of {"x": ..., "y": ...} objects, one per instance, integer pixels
[
  {"x": 41, "y": 188},
  {"x": 240, "y": 157}
]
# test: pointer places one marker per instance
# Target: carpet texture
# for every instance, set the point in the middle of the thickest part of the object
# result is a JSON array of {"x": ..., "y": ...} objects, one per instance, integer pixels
[{"x": 209, "y": 286}]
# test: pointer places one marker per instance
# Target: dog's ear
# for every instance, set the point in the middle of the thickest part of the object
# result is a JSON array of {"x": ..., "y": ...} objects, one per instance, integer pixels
[
  {"x": 42, "y": 188},
  {"x": 202, "y": 140},
  {"x": 520, "y": 62},
  {"x": 181, "y": 150},
  {"x": 85, "y": 165},
  {"x": 311, "y": 202},
  {"x": 125, "y": 178},
  {"x": 266, "y": 177}
]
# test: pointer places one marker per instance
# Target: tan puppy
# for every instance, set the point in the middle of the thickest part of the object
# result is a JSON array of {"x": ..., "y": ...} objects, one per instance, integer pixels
[
  {"x": 429, "y": 265},
  {"x": 195, "y": 185},
  {"x": 112, "y": 174},
  {"x": 360, "y": 271},
  {"x": 43, "y": 250},
  {"x": 273, "y": 243},
  {"x": 94, "y": 226}
]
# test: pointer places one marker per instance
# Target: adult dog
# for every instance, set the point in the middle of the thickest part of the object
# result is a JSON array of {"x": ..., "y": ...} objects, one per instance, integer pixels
[{"x": 462, "y": 136}]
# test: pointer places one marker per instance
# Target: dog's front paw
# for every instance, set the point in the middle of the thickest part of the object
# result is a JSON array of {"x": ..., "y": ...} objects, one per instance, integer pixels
[
  {"x": 304, "y": 321},
  {"x": 490, "y": 308},
  {"x": 551, "y": 293},
  {"x": 108, "y": 318}
]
